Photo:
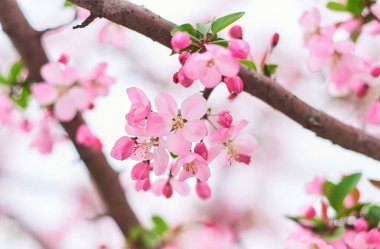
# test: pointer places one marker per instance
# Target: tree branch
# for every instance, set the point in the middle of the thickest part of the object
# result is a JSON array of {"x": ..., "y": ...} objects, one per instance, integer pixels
[
  {"x": 27, "y": 42},
  {"x": 158, "y": 29}
]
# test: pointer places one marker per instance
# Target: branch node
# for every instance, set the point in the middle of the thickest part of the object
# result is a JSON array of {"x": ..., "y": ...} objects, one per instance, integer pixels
[{"x": 86, "y": 22}]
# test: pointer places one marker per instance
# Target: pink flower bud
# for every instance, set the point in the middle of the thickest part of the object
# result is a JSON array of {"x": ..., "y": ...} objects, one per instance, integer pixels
[
  {"x": 168, "y": 190},
  {"x": 239, "y": 49},
  {"x": 180, "y": 40},
  {"x": 275, "y": 40},
  {"x": 175, "y": 78},
  {"x": 201, "y": 150},
  {"x": 143, "y": 184},
  {"x": 375, "y": 71},
  {"x": 236, "y": 32},
  {"x": 64, "y": 59},
  {"x": 183, "y": 79},
  {"x": 183, "y": 57},
  {"x": 203, "y": 190},
  {"x": 362, "y": 90},
  {"x": 91, "y": 106},
  {"x": 361, "y": 225},
  {"x": 26, "y": 126},
  {"x": 140, "y": 171},
  {"x": 234, "y": 84},
  {"x": 373, "y": 236},
  {"x": 310, "y": 213},
  {"x": 225, "y": 119},
  {"x": 123, "y": 148}
]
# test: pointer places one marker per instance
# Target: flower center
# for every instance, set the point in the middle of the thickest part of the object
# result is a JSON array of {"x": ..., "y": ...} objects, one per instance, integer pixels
[
  {"x": 232, "y": 150},
  {"x": 190, "y": 167},
  {"x": 211, "y": 63},
  {"x": 313, "y": 246},
  {"x": 178, "y": 123},
  {"x": 62, "y": 90}
]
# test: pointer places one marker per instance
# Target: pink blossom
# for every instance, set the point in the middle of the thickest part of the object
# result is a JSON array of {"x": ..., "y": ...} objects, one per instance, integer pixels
[
  {"x": 234, "y": 84},
  {"x": 183, "y": 57},
  {"x": 98, "y": 82},
  {"x": 303, "y": 239},
  {"x": 144, "y": 184},
  {"x": 113, "y": 34},
  {"x": 211, "y": 65},
  {"x": 203, "y": 190},
  {"x": 140, "y": 171},
  {"x": 181, "y": 127},
  {"x": 315, "y": 186},
  {"x": 140, "y": 108},
  {"x": 239, "y": 48},
  {"x": 225, "y": 119},
  {"x": 85, "y": 137},
  {"x": 236, "y": 32},
  {"x": 123, "y": 148},
  {"x": 201, "y": 149},
  {"x": 180, "y": 40},
  {"x": 361, "y": 225},
  {"x": 61, "y": 90},
  {"x": 373, "y": 114},
  {"x": 230, "y": 146},
  {"x": 183, "y": 79},
  {"x": 190, "y": 165}
]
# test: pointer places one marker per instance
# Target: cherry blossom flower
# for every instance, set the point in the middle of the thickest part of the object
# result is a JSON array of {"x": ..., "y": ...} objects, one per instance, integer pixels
[
  {"x": 182, "y": 127},
  {"x": 315, "y": 186},
  {"x": 302, "y": 239},
  {"x": 225, "y": 119},
  {"x": 85, "y": 137},
  {"x": 140, "y": 108},
  {"x": 190, "y": 165},
  {"x": 210, "y": 66},
  {"x": 113, "y": 34},
  {"x": 59, "y": 89},
  {"x": 97, "y": 83},
  {"x": 230, "y": 146}
]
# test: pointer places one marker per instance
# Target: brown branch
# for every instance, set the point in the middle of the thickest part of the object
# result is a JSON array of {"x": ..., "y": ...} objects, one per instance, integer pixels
[
  {"x": 158, "y": 29},
  {"x": 86, "y": 22},
  {"x": 207, "y": 92},
  {"x": 27, "y": 42}
]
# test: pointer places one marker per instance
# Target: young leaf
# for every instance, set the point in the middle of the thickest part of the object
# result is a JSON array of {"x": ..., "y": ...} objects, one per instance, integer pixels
[
  {"x": 15, "y": 71},
  {"x": 356, "y": 7},
  {"x": 336, "y": 6},
  {"x": 22, "y": 98},
  {"x": 248, "y": 63},
  {"x": 336, "y": 234},
  {"x": 204, "y": 28},
  {"x": 342, "y": 189},
  {"x": 225, "y": 21},
  {"x": 4, "y": 81},
  {"x": 160, "y": 225},
  {"x": 327, "y": 187},
  {"x": 187, "y": 27},
  {"x": 270, "y": 69},
  {"x": 373, "y": 216},
  {"x": 68, "y": 4}
]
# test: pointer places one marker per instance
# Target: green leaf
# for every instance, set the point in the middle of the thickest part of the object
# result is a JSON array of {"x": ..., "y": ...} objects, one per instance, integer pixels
[
  {"x": 187, "y": 27},
  {"x": 355, "y": 209},
  {"x": 355, "y": 6},
  {"x": 342, "y": 189},
  {"x": 327, "y": 187},
  {"x": 225, "y": 21},
  {"x": 248, "y": 63},
  {"x": 373, "y": 216},
  {"x": 336, "y": 6},
  {"x": 174, "y": 156},
  {"x": 336, "y": 234},
  {"x": 4, "y": 81},
  {"x": 22, "y": 97},
  {"x": 204, "y": 28},
  {"x": 135, "y": 233},
  {"x": 160, "y": 225},
  {"x": 270, "y": 69},
  {"x": 15, "y": 71},
  {"x": 68, "y": 4}
]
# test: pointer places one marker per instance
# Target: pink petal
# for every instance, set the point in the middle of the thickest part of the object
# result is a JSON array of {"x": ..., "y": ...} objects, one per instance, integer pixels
[
  {"x": 64, "y": 109},
  {"x": 203, "y": 172},
  {"x": 211, "y": 77},
  {"x": 194, "y": 130},
  {"x": 196, "y": 65},
  {"x": 123, "y": 148},
  {"x": 161, "y": 161},
  {"x": 194, "y": 107},
  {"x": 45, "y": 94},
  {"x": 52, "y": 73},
  {"x": 157, "y": 126},
  {"x": 245, "y": 144},
  {"x": 177, "y": 144},
  {"x": 166, "y": 104},
  {"x": 181, "y": 187}
]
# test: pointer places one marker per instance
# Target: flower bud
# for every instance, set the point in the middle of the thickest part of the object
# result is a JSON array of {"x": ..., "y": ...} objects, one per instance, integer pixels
[
  {"x": 175, "y": 78},
  {"x": 201, "y": 150},
  {"x": 184, "y": 80},
  {"x": 362, "y": 90},
  {"x": 64, "y": 59},
  {"x": 123, "y": 148},
  {"x": 310, "y": 213},
  {"x": 168, "y": 190},
  {"x": 236, "y": 32},
  {"x": 183, "y": 57},
  {"x": 203, "y": 190},
  {"x": 375, "y": 71},
  {"x": 275, "y": 40},
  {"x": 239, "y": 49},
  {"x": 140, "y": 171},
  {"x": 373, "y": 236},
  {"x": 234, "y": 84},
  {"x": 361, "y": 225},
  {"x": 180, "y": 40},
  {"x": 143, "y": 185},
  {"x": 225, "y": 119}
]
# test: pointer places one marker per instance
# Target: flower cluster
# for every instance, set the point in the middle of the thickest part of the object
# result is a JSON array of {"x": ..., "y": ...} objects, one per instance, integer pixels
[
  {"x": 355, "y": 224},
  {"x": 155, "y": 136},
  {"x": 67, "y": 91}
]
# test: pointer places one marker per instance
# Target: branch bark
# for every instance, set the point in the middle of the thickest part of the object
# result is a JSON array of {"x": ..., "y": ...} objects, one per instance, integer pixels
[
  {"x": 158, "y": 29},
  {"x": 28, "y": 44}
]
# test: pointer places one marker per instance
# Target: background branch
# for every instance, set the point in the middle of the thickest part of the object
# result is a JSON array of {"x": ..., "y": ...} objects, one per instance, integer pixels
[
  {"x": 268, "y": 90},
  {"x": 28, "y": 44}
]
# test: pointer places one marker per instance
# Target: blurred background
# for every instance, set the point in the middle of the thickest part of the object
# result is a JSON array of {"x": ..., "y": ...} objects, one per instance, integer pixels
[{"x": 48, "y": 201}]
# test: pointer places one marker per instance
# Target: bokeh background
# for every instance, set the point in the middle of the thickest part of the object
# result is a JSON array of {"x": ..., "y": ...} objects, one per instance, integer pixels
[{"x": 52, "y": 196}]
